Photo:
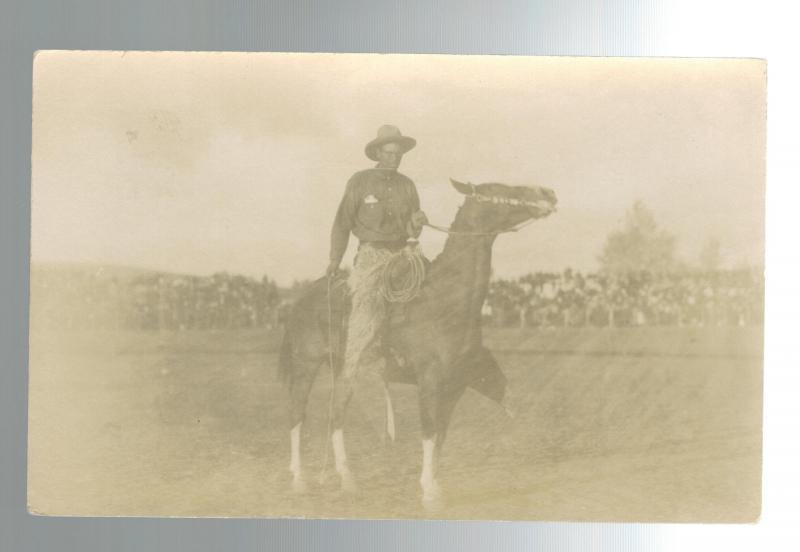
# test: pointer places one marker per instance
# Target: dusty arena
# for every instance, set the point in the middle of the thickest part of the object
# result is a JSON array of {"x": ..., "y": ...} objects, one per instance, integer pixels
[{"x": 639, "y": 424}]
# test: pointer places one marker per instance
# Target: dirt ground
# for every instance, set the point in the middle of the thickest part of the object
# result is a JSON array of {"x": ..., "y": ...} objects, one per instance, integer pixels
[{"x": 628, "y": 424}]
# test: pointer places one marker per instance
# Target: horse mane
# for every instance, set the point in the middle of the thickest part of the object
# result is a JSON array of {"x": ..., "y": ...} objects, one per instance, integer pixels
[{"x": 445, "y": 256}]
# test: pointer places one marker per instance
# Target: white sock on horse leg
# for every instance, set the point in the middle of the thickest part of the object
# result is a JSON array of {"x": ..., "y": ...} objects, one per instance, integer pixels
[
  {"x": 339, "y": 454},
  {"x": 348, "y": 483},
  {"x": 430, "y": 488},
  {"x": 294, "y": 464},
  {"x": 389, "y": 412}
]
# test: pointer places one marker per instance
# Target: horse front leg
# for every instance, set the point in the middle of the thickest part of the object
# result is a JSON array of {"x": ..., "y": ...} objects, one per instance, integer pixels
[
  {"x": 295, "y": 465},
  {"x": 431, "y": 491},
  {"x": 437, "y": 402},
  {"x": 343, "y": 391},
  {"x": 429, "y": 390},
  {"x": 390, "y": 426}
]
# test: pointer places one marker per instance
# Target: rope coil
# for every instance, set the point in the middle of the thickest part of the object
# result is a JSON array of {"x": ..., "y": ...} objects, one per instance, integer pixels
[{"x": 409, "y": 286}]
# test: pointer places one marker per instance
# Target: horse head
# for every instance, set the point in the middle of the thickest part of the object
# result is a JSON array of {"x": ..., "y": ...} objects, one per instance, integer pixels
[{"x": 494, "y": 208}]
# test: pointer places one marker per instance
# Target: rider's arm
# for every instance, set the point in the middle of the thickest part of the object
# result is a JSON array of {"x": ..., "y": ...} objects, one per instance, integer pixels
[
  {"x": 418, "y": 218},
  {"x": 343, "y": 223}
]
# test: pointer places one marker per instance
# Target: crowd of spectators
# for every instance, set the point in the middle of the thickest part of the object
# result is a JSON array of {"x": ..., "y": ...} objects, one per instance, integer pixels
[
  {"x": 733, "y": 297},
  {"x": 152, "y": 301},
  {"x": 83, "y": 299}
]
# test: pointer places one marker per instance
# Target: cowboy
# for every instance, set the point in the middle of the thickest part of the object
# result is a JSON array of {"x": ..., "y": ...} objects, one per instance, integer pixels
[{"x": 381, "y": 208}]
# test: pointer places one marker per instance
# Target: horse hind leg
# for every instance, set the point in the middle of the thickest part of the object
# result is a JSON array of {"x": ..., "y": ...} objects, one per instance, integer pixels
[
  {"x": 342, "y": 392},
  {"x": 359, "y": 349},
  {"x": 298, "y": 481},
  {"x": 390, "y": 426},
  {"x": 394, "y": 370},
  {"x": 340, "y": 459},
  {"x": 300, "y": 383}
]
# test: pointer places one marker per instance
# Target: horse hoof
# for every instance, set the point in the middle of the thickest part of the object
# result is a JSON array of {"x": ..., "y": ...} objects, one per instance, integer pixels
[
  {"x": 433, "y": 502},
  {"x": 432, "y": 498},
  {"x": 299, "y": 486}
]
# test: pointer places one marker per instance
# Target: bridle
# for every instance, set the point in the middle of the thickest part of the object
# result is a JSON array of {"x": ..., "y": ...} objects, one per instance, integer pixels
[{"x": 475, "y": 195}]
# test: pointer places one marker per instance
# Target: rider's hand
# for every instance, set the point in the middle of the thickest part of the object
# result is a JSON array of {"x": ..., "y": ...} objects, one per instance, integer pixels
[
  {"x": 419, "y": 219},
  {"x": 415, "y": 224},
  {"x": 332, "y": 269}
]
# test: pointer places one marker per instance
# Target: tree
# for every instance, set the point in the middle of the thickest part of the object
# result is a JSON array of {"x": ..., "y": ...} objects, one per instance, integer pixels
[{"x": 639, "y": 245}]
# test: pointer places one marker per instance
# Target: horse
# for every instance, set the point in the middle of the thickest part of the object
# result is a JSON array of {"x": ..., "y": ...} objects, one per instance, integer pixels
[{"x": 437, "y": 343}]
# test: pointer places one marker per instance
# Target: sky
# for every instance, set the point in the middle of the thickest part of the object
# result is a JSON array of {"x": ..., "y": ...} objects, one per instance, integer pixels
[{"x": 205, "y": 162}]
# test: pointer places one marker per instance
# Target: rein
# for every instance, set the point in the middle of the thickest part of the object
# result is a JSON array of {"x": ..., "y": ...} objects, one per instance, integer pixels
[
  {"x": 447, "y": 230},
  {"x": 333, "y": 386}
]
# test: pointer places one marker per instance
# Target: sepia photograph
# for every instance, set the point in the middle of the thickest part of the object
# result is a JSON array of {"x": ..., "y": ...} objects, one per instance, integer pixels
[{"x": 373, "y": 286}]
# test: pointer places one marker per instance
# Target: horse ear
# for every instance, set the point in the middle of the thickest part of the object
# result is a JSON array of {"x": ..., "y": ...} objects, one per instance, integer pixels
[{"x": 460, "y": 187}]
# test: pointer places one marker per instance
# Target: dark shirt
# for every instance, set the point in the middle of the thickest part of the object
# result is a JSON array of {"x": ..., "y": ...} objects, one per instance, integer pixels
[{"x": 376, "y": 207}]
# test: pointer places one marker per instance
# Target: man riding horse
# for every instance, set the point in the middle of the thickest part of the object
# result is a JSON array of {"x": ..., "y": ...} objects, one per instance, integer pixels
[
  {"x": 381, "y": 208},
  {"x": 438, "y": 342}
]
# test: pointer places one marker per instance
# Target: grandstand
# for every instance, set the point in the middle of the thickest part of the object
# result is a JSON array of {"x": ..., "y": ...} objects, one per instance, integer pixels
[{"x": 85, "y": 297}]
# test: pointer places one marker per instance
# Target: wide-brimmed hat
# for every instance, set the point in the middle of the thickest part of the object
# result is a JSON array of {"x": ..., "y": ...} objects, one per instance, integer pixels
[{"x": 386, "y": 135}]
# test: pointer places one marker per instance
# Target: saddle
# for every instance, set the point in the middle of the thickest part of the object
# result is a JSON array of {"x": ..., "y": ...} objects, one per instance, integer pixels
[{"x": 480, "y": 369}]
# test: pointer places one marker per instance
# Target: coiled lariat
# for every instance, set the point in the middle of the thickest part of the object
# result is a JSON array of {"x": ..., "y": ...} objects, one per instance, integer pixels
[{"x": 408, "y": 287}]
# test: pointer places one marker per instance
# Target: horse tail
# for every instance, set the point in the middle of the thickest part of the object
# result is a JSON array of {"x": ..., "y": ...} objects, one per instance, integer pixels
[{"x": 285, "y": 358}]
